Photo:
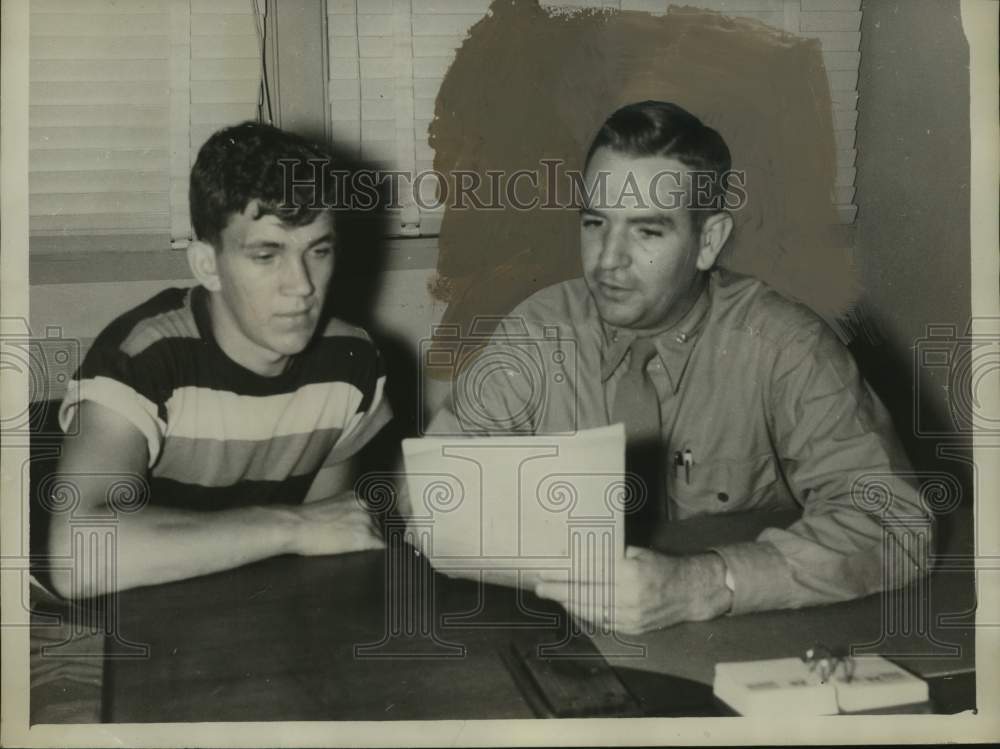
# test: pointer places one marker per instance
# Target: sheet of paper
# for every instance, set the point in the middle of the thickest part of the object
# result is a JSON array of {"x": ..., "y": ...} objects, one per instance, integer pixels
[
  {"x": 878, "y": 683},
  {"x": 777, "y": 687},
  {"x": 510, "y": 506},
  {"x": 785, "y": 685}
]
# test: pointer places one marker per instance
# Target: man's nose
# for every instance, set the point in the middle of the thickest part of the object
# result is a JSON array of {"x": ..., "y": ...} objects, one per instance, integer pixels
[
  {"x": 614, "y": 252},
  {"x": 296, "y": 280}
]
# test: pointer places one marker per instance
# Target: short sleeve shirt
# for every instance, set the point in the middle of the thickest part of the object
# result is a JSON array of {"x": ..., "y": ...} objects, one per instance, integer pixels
[{"x": 218, "y": 435}]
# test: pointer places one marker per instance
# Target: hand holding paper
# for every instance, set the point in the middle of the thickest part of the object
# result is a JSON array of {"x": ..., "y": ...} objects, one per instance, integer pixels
[
  {"x": 648, "y": 590},
  {"x": 547, "y": 513},
  {"x": 507, "y": 508}
]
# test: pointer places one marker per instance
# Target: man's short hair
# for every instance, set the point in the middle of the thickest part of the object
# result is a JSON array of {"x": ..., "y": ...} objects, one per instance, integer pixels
[
  {"x": 244, "y": 162},
  {"x": 660, "y": 128}
]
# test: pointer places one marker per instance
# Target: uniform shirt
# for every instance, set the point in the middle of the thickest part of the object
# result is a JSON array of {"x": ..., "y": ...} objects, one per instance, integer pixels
[
  {"x": 766, "y": 399},
  {"x": 219, "y": 435}
]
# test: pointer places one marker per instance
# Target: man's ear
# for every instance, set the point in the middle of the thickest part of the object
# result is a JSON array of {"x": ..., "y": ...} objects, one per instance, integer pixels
[
  {"x": 204, "y": 264},
  {"x": 714, "y": 234}
]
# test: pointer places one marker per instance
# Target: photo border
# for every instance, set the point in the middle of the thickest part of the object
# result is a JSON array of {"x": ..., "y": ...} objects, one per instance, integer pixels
[{"x": 979, "y": 19}]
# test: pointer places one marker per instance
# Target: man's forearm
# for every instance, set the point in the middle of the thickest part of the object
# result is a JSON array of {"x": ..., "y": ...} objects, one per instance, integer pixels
[
  {"x": 703, "y": 576},
  {"x": 826, "y": 558},
  {"x": 158, "y": 545}
]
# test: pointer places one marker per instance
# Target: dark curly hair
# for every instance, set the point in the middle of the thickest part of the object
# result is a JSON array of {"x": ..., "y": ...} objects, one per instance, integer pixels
[
  {"x": 245, "y": 162},
  {"x": 660, "y": 128}
]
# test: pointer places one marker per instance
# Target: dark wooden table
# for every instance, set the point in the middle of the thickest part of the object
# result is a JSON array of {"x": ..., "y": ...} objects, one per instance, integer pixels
[
  {"x": 373, "y": 636},
  {"x": 298, "y": 638}
]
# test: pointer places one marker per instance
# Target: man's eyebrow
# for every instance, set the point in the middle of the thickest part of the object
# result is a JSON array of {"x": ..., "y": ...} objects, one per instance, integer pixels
[
  {"x": 325, "y": 239},
  {"x": 657, "y": 218},
  {"x": 264, "y": 244},
  {"x": 275, "y": 244}
]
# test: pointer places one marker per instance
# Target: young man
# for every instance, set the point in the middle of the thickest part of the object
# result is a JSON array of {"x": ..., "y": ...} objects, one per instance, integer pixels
[
  {"x": 240, "y": 401},
  {"x": 734, "y": 399}
]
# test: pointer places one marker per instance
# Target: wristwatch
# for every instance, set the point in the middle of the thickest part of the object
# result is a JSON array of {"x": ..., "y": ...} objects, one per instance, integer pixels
[
  {"x": 729, "y": 583},
  {"x": 728, "y": 580}
]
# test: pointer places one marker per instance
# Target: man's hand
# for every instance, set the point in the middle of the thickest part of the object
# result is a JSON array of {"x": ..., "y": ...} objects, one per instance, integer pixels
[
  {"x": 160, "y": 544},
  {"x": 649, "y": 591},
  {"x": 334, "y": 526}
]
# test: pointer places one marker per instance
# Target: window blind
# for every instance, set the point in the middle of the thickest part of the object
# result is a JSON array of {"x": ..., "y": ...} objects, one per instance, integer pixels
[
  {"x": 224, "y": 67},
  {"x": 99, "y": 118},
  {"x": 388, "y": 59},
  {"x": 122, "y": 95}
]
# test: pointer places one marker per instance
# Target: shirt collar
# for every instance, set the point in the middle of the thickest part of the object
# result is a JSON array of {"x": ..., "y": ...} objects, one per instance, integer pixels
[{"x": 674, "y": 344}]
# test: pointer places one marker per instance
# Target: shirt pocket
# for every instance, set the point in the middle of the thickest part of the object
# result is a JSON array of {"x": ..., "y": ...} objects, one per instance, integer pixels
[{"x": 716, "y": 486}]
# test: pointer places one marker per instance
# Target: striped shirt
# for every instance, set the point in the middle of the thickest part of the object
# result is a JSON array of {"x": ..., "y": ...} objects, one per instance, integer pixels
[{"x": 218, "y": 435}]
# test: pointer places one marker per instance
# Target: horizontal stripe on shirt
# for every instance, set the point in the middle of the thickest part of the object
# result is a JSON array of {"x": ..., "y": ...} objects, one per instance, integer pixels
[
  {"x": 190, "y": 362},
  {"x": 172, "y": 324},
  {"x": 212, "y": 462},
  {"x": 363, "y": 426},
  {"x": 202, "y": 413},
  {"x": 142, "y": 413},
  {"x": 218, "y": 434},
  {"x": 169, "y": 493}
]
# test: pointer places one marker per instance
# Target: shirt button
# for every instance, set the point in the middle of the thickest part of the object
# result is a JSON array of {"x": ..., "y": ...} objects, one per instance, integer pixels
[{"x": 723, "y": 497}]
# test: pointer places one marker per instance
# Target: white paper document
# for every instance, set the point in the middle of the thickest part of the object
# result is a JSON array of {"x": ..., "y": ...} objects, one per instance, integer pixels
[
  {"x": 511, "y": 506},
  {"x": 787, "y": 686}
]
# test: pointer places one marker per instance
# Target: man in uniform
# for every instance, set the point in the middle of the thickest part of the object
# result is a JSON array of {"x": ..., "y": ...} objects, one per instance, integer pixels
[{"x": 734, "y": 398}]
